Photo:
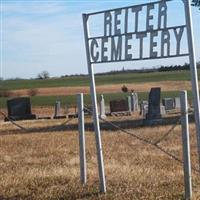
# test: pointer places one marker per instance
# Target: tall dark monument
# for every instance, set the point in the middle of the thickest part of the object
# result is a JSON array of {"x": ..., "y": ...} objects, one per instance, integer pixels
[
  {"x": 19, "y": 109},
  {"x": 154, "y": 104}
]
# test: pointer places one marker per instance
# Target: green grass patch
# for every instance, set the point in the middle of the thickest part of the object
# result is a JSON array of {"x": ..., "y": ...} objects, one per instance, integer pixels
[
  {"x": 70, "y": 100},
  {"x": 122, "y": 78}
]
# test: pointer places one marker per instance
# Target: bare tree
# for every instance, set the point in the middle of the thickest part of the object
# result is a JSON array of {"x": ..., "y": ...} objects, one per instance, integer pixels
[
  {"x": 43, "y": 75},
  {"x": 196, "y": 3}
]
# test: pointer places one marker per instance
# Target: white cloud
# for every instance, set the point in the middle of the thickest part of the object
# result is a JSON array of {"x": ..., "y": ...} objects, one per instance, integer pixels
[
  {"x": 53, "y": 44},
  {"x": 49, "y": 36}
]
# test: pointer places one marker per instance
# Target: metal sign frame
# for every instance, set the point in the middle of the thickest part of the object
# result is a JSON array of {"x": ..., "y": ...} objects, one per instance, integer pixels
[{"x": 90, "y": 63}]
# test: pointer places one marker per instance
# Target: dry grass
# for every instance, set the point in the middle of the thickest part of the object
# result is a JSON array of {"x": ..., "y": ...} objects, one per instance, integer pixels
[
  {"x": 46, "y": 165},
  {"x": 142, "y": 87}
]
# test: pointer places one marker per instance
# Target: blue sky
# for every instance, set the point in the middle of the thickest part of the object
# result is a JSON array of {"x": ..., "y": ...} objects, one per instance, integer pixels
[{"x": 48, "y": 35}]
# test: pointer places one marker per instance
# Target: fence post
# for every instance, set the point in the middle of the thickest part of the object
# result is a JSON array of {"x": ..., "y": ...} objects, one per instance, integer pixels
[
  {"x": 186, "y": 145},
  {"x": 81, "y": 128},
  {"x": 193, "y": 70}
]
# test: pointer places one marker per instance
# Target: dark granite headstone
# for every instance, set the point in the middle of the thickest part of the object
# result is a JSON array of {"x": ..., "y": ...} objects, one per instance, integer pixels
[
  {"x": 154, "y": 104},
  {"x": 19, "y": 109},
  {"x": 119, "y": 106}
]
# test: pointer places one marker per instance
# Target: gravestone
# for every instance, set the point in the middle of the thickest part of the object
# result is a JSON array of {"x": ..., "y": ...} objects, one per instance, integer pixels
[
  {"x": 144, "y": 110},
  {"x": 154, "y": 104},
  {"x": 57, "y": 111},
  {"x": 162, "y": 110},
  {"x": 119, "y": 106},
  {"x": 129, "y": 104},
  {"x": 142, "y": 107},
  {"x": 134, "y": 102},
  {"x": 169, "y": 104},
  {"x": 102, "y": 108},
  {"x": 177, "y": 102},
  {"x": 57, "y": 108},
  {"x": 19, "y": 109}
]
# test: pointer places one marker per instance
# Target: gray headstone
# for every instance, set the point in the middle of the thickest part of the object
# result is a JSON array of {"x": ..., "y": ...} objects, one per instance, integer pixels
[
  {"x": 169, "y": 104},
  {"x": 20, "y": 109},
  {"x": 129, "y": 103},
  {"x": 57, "y": 114},
  {"x": 102, "y": 107},
  {"x": 154, "y": 104},
  {"x": 57, "y": 109}
]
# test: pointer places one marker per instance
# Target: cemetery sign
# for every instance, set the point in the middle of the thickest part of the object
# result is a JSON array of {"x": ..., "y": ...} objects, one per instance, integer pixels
[
  {"x": 122, "y": 34},
  {"x": 126, "y": 37}
]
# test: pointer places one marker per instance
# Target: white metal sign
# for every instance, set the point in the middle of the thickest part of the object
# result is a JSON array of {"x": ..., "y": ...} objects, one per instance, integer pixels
[
  {"x": 122, "y": 35},
  {"x": 125, "y": 37}
]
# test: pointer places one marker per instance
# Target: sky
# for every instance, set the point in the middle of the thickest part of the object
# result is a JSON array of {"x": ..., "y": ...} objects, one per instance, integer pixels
[{"x": 48, "y": 35}]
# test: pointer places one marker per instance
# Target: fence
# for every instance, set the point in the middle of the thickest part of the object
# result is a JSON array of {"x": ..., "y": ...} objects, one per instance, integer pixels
[{"x": 183, "y": 119}]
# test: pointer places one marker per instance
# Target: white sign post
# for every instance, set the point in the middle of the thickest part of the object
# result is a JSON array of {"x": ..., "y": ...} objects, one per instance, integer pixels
[
  {"x": 193, "y": 70},
  {"x": 81, "y": 128},
  {"x": 123, "y": 39},
  {"x": 95, "y": 110},
  {"x": 186, "y": 145}
]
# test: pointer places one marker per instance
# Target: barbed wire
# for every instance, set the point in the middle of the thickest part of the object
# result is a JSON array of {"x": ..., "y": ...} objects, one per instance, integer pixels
[
  {"x": 154, "y": 144},
  {"x": 32, "y": 129},
  {"x": 168, "y": 132},
  {"x": 13, "y": 122}
]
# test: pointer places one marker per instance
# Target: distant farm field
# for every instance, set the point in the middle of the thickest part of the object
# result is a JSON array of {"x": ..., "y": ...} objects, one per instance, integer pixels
[
  {"x": 45, "y": 164},
  {"x": 65, "y": 89},
  {"x": 70, "y": 100},
  {"x": 100, "y": 80}
]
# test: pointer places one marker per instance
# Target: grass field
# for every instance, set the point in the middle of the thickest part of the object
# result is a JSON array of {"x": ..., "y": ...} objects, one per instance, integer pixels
[
  {"x": 45, "y": 165},
  {"x": 70, "y": 100},
  {"x": 100, "y": 80}
]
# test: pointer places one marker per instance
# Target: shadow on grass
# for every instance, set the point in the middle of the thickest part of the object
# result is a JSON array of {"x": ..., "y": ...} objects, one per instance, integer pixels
[{"x": 105, "y": 126}]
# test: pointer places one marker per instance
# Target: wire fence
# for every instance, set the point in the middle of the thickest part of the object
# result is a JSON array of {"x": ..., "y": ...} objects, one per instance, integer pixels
[
  {"x": 153, "y": 144},
  {"x": 54, "y": 128}
]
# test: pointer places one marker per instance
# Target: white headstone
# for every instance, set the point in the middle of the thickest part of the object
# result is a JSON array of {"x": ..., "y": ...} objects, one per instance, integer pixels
[
  {"x": 177, "y": 102},
  {"x": 134, "y": 102},
  {"x": 129, "y": 99},
  {"x": 162, "y": 110},
  {"x": 102, "y": 107},
  {"x": 145, "y": 109}
]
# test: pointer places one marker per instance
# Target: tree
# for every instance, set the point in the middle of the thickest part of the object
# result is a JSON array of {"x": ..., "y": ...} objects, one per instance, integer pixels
[
  {"x": 43, "y": 75},
  {"x": 196, "y": 3},
  {"x": 124, "y": 89}
]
